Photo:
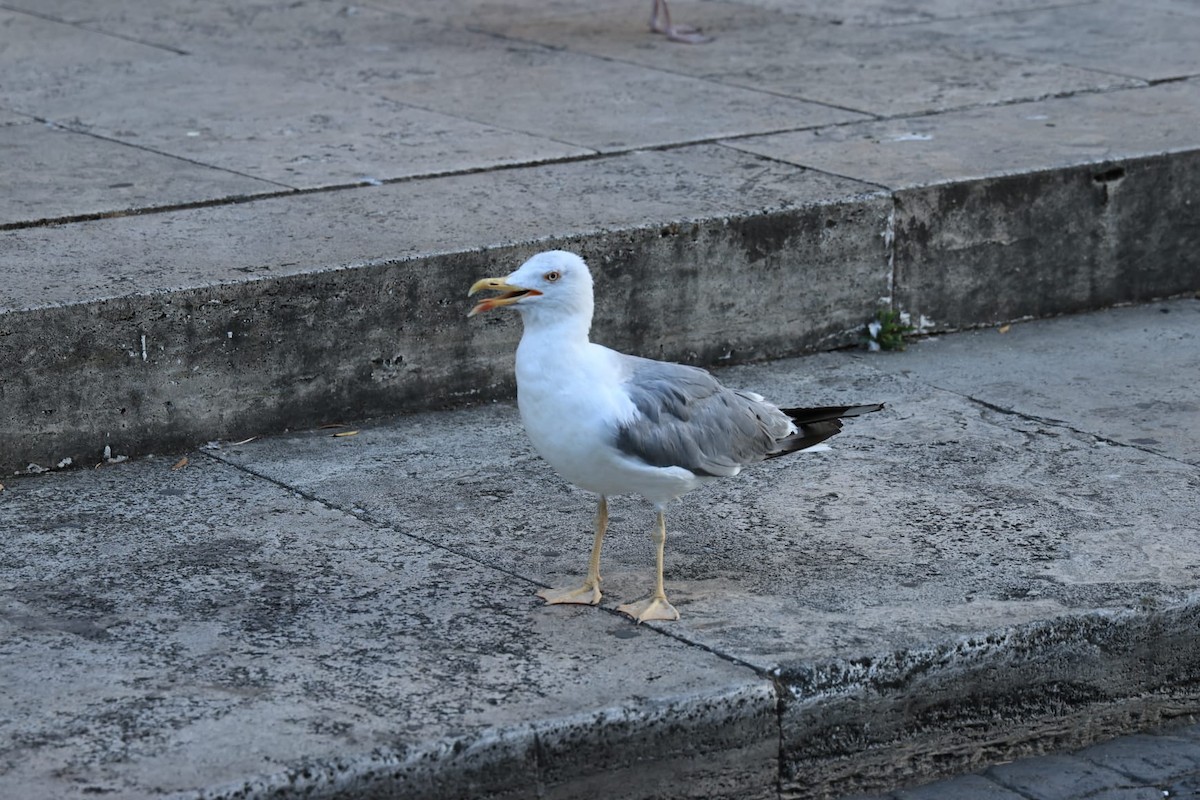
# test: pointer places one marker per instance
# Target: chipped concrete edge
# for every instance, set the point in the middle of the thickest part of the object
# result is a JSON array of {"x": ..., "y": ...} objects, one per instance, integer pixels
[
  {"x": 819, "y": 730},
  {"x": 908, "y": 716},
  {"x": 723, "y": 742},
  {"x": 352, "y": 342}
]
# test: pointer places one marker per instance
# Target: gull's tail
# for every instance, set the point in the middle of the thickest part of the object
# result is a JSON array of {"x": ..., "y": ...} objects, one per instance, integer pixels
[{"x": 815, "y": 425}]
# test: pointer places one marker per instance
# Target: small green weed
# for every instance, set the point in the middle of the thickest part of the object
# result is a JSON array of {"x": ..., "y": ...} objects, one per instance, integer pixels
[{"x": 888, "y": 331}]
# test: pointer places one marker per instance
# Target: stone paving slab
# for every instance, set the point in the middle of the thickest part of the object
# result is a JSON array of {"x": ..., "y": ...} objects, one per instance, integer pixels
[
  {"x": 268, "y": 125},
  {"x": 880, "y": 71},
  {"x": 965, "y": 146},
  {"x": 41, "y": 52},
  {"x": 885, "y": 12},
  {"x": 950, "y": 586},
  {"x": 212, "y": 634},
  {"x": 1098, "y": 384},
  {"x": 379, "y": 299},
  {"x": 1159, "y": 764},
  {"x": 949, "y": 518},
  {"x": 984, "y": 235},
  {"x": 537, "y": 91},
  {"x": 105, "y": 176},
  {"x": 1147, "y": 758},
  {"x": 1139, "y": 41}
]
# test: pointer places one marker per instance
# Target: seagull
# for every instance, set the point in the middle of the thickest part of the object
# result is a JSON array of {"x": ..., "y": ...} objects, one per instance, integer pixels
[{"x": 618, "y": 424}]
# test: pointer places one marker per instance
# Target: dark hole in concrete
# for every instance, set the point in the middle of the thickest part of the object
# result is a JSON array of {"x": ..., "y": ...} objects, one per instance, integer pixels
[{"x": 1108, "y": 176}]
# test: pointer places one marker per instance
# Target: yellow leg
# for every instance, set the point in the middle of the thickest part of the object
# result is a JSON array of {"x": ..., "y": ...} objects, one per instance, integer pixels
[
  {"x": 589, "y": 593},
  {"x": 657, "y": 606}
]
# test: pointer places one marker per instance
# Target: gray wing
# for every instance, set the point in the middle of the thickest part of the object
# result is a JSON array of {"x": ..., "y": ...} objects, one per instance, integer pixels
[{"x": 688, "y": 419}]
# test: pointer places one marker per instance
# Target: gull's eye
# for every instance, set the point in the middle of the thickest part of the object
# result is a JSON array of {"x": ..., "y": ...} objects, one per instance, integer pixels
[{"x": 552, "y": 276}]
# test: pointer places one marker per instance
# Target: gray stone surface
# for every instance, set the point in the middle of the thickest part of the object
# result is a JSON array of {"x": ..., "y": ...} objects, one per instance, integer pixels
[
  {"x": 981, "y": 236},
  {"x": 887, "y": 12},
  {"x": 950, "y": 586},
  {"x": 502, "y": 123},
  {"x": 1056, "y": 777},
  {"x": 1147, "y": 758},
  {"x": 206, "y": 630},
  {"x": 386, "y": 329},
  {"x": 269, "y": 125},
  {"x": 104, "y": 176},
  {"x": 1024, "y": 539},
  {"x": 1098, "y": 384},
  {"x": 537, "y": 90},
  {"x": 948, "y": 517},
  {"x": 1140, "y": 41},
  {"x": 976, "y": 787},
  {"x": 881, "y": 71},
  {"x": 965, "y": 146}
]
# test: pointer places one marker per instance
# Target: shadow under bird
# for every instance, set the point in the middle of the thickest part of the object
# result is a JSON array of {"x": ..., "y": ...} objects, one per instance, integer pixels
[{"x": 614, "y": 424}]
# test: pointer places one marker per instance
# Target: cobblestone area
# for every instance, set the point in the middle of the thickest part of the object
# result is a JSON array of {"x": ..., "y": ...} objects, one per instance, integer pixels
[{"x": 1149, "y": 766}]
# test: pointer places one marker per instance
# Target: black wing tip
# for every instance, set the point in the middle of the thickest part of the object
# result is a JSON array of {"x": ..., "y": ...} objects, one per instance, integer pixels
[
  {"x": 801, "y": 416},
  {"x": 815, "y": 425}
]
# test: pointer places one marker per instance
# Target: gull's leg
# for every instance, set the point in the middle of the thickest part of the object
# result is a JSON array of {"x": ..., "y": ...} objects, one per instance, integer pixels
[
  {"x": 657, "y": 606},
  {"x": 676, "y": 33},
  {"x": 589, "y": 593}
]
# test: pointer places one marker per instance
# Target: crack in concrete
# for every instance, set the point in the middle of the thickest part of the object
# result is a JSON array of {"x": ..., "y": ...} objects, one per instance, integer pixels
[
  {"x": 61, "y": 21},
  {"x": 1012, "y": 412}
]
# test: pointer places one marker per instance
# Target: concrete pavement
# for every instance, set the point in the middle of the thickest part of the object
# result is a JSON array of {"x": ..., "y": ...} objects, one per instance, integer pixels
[
  {"x": 989, "y": 569},
  {"x": 231, "y": 220},
  {"x": 221, "y": 219}
]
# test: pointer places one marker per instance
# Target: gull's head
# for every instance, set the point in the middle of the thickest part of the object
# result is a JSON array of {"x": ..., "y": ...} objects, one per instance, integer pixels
[{"x": 551, "y": 285}]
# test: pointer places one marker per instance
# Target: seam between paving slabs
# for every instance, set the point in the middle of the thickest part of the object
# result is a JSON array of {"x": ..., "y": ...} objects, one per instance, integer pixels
[
  {"x": 289, "y": 191},
  {"x": 61, "y": 21},
  {"x": 362, "y": 516},
  {"x": 780, "y": 690},
  {"x": 1012, "y": 412}
]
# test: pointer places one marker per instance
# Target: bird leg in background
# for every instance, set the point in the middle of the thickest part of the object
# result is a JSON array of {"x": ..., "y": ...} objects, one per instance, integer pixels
[
  {"x": 676, "y": 33},
  {"x": 657, "y": 606},
  {"x": 589, "y": 593}
]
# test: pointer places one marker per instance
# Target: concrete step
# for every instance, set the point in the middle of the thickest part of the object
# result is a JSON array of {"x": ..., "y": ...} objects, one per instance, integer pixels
[
  {"x": 1002, "y": 563},
  {"x": 223, "y": 224}
]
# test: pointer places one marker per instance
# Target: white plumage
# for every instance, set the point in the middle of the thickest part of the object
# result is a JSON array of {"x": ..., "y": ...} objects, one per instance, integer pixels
[{"x": 617, "y": 424}]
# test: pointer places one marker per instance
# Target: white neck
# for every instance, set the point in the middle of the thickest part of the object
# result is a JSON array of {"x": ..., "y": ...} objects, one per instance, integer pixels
[{"x": 555, "y": 326}]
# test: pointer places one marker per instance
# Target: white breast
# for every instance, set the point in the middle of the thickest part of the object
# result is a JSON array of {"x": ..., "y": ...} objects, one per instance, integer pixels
[{"x": 571, "y": 404}]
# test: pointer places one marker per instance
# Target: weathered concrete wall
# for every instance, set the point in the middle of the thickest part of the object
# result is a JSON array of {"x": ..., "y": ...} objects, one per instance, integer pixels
[
  {"x": 910, "y": 716},
  {"x": 169, "y": 370},
  {"x": 1052, "y": 242}
]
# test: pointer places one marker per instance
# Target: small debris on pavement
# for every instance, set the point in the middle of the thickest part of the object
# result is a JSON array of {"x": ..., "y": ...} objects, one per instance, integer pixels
[{"x": 180, "y": 464}]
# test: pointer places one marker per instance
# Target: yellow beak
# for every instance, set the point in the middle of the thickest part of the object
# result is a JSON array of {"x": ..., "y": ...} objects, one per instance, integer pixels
[{"x": 509, "y": 294}]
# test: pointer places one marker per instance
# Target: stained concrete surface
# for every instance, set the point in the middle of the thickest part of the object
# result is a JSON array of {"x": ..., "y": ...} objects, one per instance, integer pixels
[
  {"x": 206, "y": 630},
  {"x": 882, "y": 71},
  {"x": 949, "y": 516},
  {"x": 1067, "y": 377},
  {"x": 247, "y": 279},
  {"x": 1059, "y": 608},
  {"x": 39, "y": 159},
  {"x": 1163, "y": 763},
  {"x": 955, "y": 583},
  {"x": 400, "y": 307}
]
